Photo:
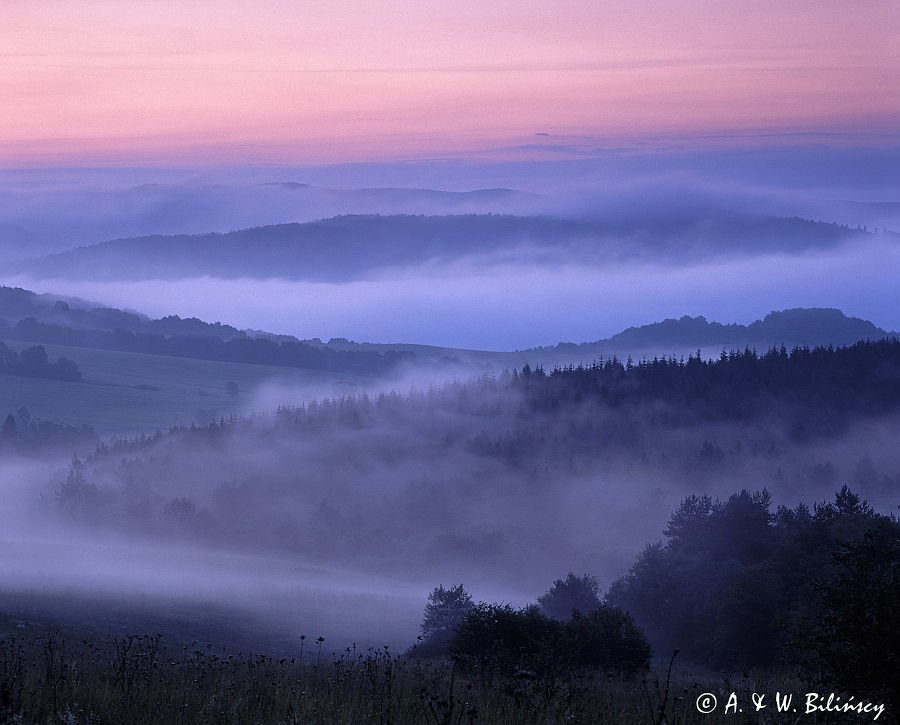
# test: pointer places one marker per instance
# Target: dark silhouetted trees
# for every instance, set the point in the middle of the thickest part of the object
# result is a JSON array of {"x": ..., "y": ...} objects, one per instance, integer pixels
[
  {"x": 26, "y": 435},
  {"x": 207, "y": 346},
  {"x": 573, "y": 594},
  {"x": 817, "y": 389},
  {"x": 737, "y": 586},
  {"x": 33, "y": 362},
  {"x": 497, "y": 640},
  {"x": 447, "y": 607},
  {"x": 9, "y": 427}
]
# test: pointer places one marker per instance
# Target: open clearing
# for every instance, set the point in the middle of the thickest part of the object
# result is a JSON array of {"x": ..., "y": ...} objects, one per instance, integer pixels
[{"x": 125, "y": 393}]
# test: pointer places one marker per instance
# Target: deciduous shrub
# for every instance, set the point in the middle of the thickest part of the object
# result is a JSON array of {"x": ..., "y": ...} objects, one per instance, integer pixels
[{"x": 499, "y": 639}]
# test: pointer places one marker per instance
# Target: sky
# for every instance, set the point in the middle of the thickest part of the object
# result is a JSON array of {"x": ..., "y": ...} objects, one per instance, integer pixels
[
  {"x": 165, "y": 116},
  {"x": 221, "y": 82}
]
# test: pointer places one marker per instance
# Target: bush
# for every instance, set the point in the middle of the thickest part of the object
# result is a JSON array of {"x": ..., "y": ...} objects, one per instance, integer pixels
[
  {"x": 446, "y": 609},
  {"x": 498, "y": 639},
  {"x": 607, "y": 639},
  {"x": 858, "y": 636},
  {"x": 574, "y": 594}
]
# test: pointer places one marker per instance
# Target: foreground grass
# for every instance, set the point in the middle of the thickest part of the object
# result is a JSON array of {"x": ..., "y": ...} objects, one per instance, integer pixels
[{"x": 140, "y": 680}]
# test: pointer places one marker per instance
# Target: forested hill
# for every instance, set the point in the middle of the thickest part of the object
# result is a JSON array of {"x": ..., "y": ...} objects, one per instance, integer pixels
[
  {"x": 494, "y": 469},
  {"x": 823, "y": 384},
  {"x": 27, "y": 317},
  {"x": 18, "y": 304},
  {"x": 349, "y": 247},
  {"x": 331, "y": 249},
  {"x": 793, "y": 327}
]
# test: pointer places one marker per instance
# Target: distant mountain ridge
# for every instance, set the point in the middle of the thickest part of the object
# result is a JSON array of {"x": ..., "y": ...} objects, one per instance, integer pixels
[
  {"x": 17, "y": 304},
  {"x": 88, "y": 213},
  {"x": 50, "y": 321},
  {"x": 26, "y": 316},
  {"x": 351, "y": 247},
  {"x": 792, "y": 327}
]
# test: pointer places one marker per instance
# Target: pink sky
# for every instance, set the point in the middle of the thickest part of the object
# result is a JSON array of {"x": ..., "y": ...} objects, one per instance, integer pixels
[{"x": 331, "y": 81}]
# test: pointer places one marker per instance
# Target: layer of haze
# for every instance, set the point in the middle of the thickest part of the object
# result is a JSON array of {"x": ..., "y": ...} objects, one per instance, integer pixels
[
  {"x": 340, "y": 517},
  {"x": 518, "y": 299},
  {"x": 514, "y": 306},
  {"x": 306, "y": 512}
]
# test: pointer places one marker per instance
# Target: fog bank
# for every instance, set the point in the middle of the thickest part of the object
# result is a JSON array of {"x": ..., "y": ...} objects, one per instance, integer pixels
[{"x": 506, "y": 306}]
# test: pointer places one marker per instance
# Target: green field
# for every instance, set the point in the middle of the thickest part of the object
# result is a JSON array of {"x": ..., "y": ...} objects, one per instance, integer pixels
[
  {"x": 124, "y": 393},
  {"x": 131, "y": 393}
]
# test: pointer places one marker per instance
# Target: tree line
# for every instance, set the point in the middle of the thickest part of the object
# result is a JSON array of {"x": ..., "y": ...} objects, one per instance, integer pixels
[
  {"x": 258, "y": 351},
  {"x": 33, "y": 362},
  {"x": 821, "y": 387},
  {"x": 734, "y": 587}
]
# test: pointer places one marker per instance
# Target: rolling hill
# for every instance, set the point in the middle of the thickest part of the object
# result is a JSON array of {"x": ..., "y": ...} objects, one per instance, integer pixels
[
  {"x": 132, "y": 387},
  {"x": 794, "y": 327},
  {"x": 353, "y": 247}
]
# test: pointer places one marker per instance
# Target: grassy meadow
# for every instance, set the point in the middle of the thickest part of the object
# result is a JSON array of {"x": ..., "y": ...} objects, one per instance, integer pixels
[
  {"x": 143, "y": 680},
  {"x": 133, "y": 393}
]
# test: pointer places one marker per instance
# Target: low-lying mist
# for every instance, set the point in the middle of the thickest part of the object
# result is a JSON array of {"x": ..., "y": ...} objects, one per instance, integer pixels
[
  {"x": 102, "y": 576},
  {"x": 338, "y": 516},
  {"x": 504, "y": 305},
  {"x": 44, "y": 210},
  {"x": 667, "y": 209}
]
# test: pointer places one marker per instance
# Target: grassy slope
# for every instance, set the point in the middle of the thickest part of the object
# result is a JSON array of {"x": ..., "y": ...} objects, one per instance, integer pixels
[
  {"x": 111, "y": 400},
  {"x": 130, "y": 393}
]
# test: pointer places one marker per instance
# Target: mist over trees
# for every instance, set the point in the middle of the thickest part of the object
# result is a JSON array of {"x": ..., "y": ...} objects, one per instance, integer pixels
[
  {"x": 496, "y": 468},
  {"x": 736, "y": 586},
  {"x": 513, "y": 479},
  {"x": 509, "y": 480},
  {"x": 22, "y": 433},
  {"x": 411, "y": 221}
]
